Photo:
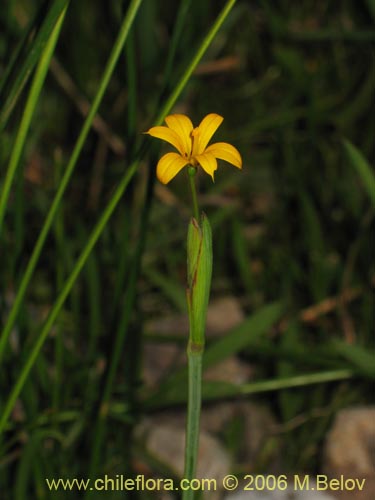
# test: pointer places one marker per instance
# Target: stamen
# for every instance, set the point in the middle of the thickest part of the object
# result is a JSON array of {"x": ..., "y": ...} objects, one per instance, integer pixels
[{"x": 194, "y": 139}]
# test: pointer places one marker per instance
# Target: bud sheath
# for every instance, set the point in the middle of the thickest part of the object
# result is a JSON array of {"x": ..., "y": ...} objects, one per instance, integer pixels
[{"x": 199, "y": 266}]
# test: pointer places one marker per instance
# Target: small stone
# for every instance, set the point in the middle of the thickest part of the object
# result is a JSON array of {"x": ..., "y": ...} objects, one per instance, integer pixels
[
  {"x": 167, "y": 444},
  {"x": 350, "y": 450},
  {"x": 159, "y": 359},
  {"x": 350, "y": 444},
  {"x": 165, "y": 441},
  {"x": 223, "y": 314},
  {"x": 257, "y": 429},
  {"x": 230, "y": 370}
]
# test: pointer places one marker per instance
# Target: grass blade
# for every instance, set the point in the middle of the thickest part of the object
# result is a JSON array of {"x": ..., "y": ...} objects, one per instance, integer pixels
[
  {"x": 219, "y": 390},
  {"x": 246, "y": 334},
  {"x": 124, "y": 30},
  {"x": 195, "y": 61},
  {"x": 362, "y": 167},
  {"x": 28, "y": 113},
  {"x": 26, "y": 58},
  {"x": 359, "y": 357}
]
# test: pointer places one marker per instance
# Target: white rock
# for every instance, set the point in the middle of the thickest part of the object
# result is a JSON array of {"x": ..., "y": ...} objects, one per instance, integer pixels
[
  {"x": 167, "y": 444},
  {"x": 349, "y": 446}
]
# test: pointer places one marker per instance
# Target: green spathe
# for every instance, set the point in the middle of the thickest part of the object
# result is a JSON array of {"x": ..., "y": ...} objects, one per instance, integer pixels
[{"x": 199, "y": 265}]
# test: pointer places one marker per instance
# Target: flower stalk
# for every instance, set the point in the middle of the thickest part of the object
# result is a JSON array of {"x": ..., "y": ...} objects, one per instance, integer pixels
[
  {"x": 191, "y": 173},
  {"x": 194, "y": 151},
  {"x": 195, "y": 357}
]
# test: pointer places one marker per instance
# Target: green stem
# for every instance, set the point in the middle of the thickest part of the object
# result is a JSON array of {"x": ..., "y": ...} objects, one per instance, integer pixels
[
  {"x": 195, "y": 356},
  {"x": 191, "y": 173}
]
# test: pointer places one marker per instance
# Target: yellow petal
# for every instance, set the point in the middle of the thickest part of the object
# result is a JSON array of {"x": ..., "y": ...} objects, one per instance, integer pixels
[
  {"x": 208, "y": 162},
  {"x": 168, "y": 135},
  {"x": 227, "y": 152},
  {"x": 206, "y": 130},
  {"x": 183, "y": 127},
  {"x": 169, "y": 165}
]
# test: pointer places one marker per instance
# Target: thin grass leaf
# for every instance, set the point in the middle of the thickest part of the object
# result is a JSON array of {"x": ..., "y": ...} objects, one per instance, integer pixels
[
  {"x": 218, "y": 390},
  {"x": 172, "y": 290},
  {"x": 115, "y": 54},
  {"x": 24, "y": 474},
  {"x": 363, "y": 169},
  {"x": 310, "y": 221},
  {"x": 195, "y": 61},
  {"x": 93, "y": 279},
  {"x": 241, "y": 255},
  {"x": 361, "y": 102},
  {"x": 131, "y": 67},
  {"x": 290, "y": 402},
  {"x": 371, "y": 8},
  {"x": 60, "y": 241},
  {"x": 182, "y": 17},
  {"x": 362, "y": 359},
  {"x": 28, "y": 113},
  {"x": 245, "y": 335},
  {"x": 122, "y": 339},
  {"x": 26, "y": 57}
]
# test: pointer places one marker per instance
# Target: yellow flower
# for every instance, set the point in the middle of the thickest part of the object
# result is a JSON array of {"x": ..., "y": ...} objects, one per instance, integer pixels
[{"x": 191, "y": 144}]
